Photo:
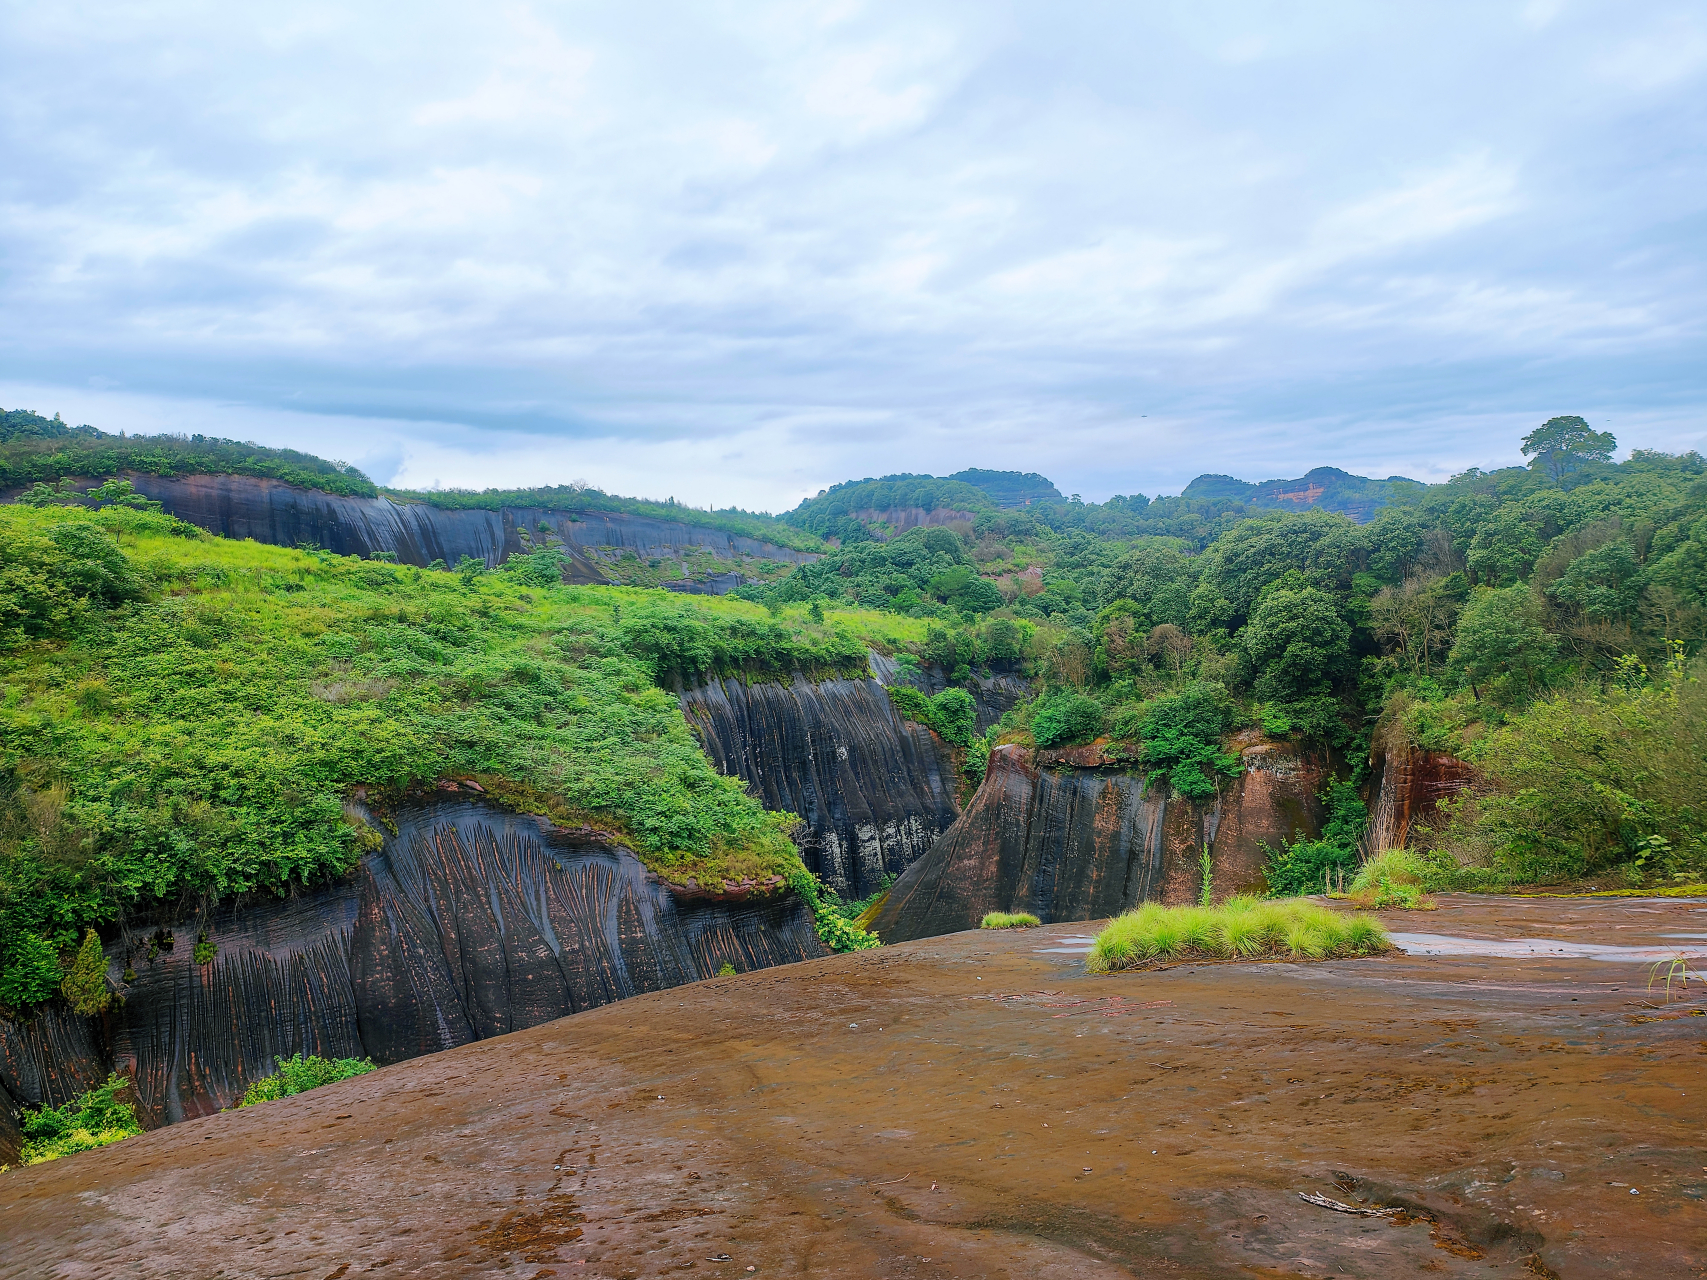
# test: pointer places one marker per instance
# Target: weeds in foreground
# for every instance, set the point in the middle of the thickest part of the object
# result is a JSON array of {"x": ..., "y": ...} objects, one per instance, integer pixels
[
  {"x": 1008, "y": 920},
  {"x": 94, "y": 1119},
  {"x": 299, "y": 1074},
  {"x": 1239, "y": 929},
  {"x": 1392, "y": 879},
  {"x": 1676, "y": 969}
]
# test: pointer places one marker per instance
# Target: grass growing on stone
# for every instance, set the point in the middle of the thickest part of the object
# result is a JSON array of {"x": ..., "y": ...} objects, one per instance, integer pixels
[
  {"x": 1391, "y": 879},
  {"x": 299, "y": 1074},
  {"x": 1008, "y": 920},
  {"x": 1239, "y": 929}
]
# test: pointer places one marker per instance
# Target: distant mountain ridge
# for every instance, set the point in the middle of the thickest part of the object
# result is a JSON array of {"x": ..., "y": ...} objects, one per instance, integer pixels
[{"x": 1327, "y": 488}]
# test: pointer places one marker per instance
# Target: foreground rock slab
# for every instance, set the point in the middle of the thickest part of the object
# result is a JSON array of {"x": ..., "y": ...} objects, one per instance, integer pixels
[{"x": 973, "y": 1105}]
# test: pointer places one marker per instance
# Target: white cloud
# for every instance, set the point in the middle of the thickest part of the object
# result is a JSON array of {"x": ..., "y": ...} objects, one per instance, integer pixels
[{"x": 738, "y": 252}]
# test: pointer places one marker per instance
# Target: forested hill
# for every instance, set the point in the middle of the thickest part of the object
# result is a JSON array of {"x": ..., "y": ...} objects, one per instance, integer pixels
[{"x": 1324, "y": 488}]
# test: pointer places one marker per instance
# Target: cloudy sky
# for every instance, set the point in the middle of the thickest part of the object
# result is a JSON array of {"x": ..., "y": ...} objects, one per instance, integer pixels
[{"x": 736, "y": 252}]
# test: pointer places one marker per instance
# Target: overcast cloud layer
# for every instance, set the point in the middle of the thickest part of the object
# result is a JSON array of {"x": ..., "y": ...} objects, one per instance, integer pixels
[{"x": 737, "y": 252}]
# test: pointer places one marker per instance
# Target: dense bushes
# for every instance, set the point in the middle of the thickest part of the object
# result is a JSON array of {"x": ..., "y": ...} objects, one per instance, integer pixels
[
  {"x": 1066, "y": 717},
  {"x": 297, "y": 1074},
  {"x": 1181, "y": 735},
  {"x": 94, "y": 1119},
  {"x": 1314, "y": 866},
  {"x": 952, "y": 713}
]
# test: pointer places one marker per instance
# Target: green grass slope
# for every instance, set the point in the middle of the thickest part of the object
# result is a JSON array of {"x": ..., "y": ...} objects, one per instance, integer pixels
[{"x": 181, "y": 714}]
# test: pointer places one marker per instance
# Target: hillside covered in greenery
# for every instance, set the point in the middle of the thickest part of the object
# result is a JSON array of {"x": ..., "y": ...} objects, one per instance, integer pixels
[
  {"x": 1544, "y": 622},
  {"x": 182, "y": 715}
]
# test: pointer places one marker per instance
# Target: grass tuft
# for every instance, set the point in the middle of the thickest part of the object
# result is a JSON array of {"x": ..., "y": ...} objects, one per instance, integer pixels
[
  {"x": 1241, "y": 928},
  {"x": 1392, "y": 879},
  {"x": 1009, "y": 920}
]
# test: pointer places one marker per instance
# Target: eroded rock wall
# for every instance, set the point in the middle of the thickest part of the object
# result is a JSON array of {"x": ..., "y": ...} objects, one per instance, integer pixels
[
  {"x": 272, "y": 511},
  {"x": 1074, "y": 835},
  {"x": 874, "y": 791},
  {"x": 1413, "y": 783},
  {"x": 469, "y": 923}
]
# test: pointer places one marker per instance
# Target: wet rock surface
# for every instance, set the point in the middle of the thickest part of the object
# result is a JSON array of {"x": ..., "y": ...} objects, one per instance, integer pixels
[
  {"x": 471, "y": 922},
  {"x": 973, "y": 1105},
  {"x": 874, "y": 790},
  {"x": 1076, "y": 833}
]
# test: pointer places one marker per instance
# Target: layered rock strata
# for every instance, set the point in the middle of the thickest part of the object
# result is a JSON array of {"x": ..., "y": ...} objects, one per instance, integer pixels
[
  {"x": 281, "y": 514},
  {"x": 470, "y": 922},
  {"x": 1076, "y": 835}
]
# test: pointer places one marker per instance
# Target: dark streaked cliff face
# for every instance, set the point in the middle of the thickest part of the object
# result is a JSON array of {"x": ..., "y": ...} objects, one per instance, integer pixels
[
  {"x": 874, "y": 791},
  {"x": 1069, "y": 838},
  {"x": 471, "y": 922},
  {"x": 281, "y": 514}
]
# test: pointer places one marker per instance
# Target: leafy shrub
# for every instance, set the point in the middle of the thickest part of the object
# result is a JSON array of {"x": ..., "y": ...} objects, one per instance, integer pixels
[
  {"x": 837, "y": 931},
  {"x": 1008, "y": 920},
  {"x": 1303, "y": 866},
  {"x": 298, "y": 1074},
  {"x": 726, "y": 970},
  {"x": 1181, "y": 735},
  {"x": 94, "y": 1119},
  {"x": 85, "y": 987},
  {"x": 952, "y": 713},
  {"x": 1240, "y": 928},
  {"x": 1065, "y": 718}
]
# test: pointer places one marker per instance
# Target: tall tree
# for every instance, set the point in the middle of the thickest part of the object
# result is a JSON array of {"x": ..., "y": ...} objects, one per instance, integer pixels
[{"x": 1561, "y": 445}]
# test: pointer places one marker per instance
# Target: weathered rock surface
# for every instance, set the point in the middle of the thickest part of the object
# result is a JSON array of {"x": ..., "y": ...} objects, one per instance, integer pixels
[
  {"x": 901, "y": 519},
  {"x": 281, "y": 514},
  {"x": 1075, "y": 836},
  {"x": 996, "y": 1112},
  {"x": 874, "y": 790},
  {"x": 1413, "y": 783},
  {"x": 471, "y": 922}
]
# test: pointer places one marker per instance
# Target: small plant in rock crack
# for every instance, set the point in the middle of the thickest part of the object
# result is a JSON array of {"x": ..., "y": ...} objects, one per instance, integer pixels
[{"x": 1674, "y": 970}]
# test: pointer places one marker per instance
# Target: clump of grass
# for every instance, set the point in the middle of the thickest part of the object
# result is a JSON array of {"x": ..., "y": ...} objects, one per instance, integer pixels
[
  {"x": 1240, "y": 928},
  {"x": 94, "y": 1119},
  {"x": 1008, "y": 920},
  {"x": 1392, "y": 879},
  {"x": 299, "y": 1074}
]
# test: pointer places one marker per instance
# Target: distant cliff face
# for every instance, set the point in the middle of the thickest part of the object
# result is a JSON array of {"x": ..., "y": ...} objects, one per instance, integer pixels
[
  {"x": 874, "y": 790},
  {"x": 469, "y": 923},
  {"x": 1069, "y": 836},
  {"x": 273, "y": 512},
  {"x": 1329, "y": 488}
]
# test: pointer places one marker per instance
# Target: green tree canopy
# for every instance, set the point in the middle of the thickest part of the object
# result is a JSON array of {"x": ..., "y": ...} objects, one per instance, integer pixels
[
  {"x": 1298, "y": 641},
  {"x": 1562, "y": 445}
]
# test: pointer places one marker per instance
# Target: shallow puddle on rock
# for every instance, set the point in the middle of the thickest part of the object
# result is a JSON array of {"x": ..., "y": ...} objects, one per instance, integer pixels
[{"x": 1440, "y": 944}]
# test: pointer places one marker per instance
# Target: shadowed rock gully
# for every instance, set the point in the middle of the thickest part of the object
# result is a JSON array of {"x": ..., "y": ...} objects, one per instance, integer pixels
[{"x": 972, "y": 1105}]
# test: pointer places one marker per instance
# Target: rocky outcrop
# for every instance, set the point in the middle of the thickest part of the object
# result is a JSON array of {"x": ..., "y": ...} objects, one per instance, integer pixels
[
  {"x": 274, "y": 512},
  {"x": 874, "y": 791},
  {"x": 1077, "y": 836},
  {"x": 1413, "y": 783},
  {"x": 470, "y": 922}
]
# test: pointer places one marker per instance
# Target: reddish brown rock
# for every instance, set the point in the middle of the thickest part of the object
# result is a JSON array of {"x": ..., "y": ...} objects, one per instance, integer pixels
[
  {"x": 1066, "y": 835},
  {"x": 1413, "y": 783}
]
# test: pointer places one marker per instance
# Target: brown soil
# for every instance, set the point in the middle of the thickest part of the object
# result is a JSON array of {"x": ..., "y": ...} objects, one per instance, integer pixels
[{"x": 973, "y": 1105}]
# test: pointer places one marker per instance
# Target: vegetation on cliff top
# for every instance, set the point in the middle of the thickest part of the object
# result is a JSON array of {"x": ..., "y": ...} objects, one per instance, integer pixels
[
  {"x": 186, "y": 715},
  {"x": 36, "y": 449}
]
